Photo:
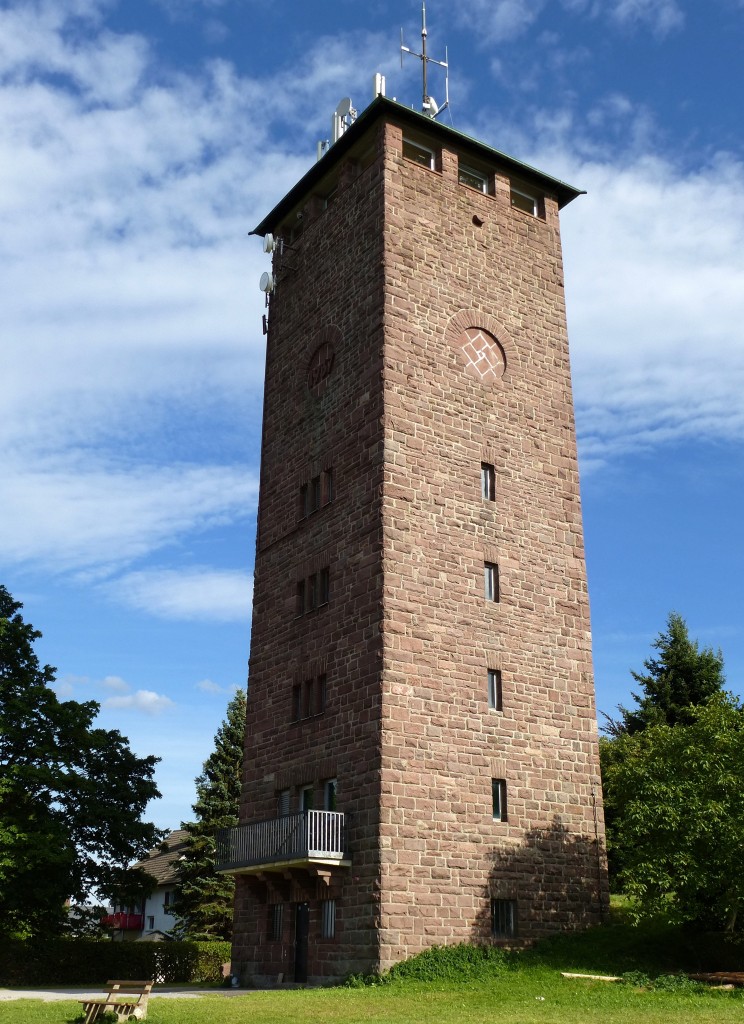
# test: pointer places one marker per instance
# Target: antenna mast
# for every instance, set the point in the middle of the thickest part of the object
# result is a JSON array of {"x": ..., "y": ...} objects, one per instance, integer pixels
[{"x": 429, "y": 105}]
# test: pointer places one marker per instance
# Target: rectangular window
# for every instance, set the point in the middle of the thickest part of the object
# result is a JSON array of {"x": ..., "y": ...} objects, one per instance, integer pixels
[
  {"x": 327, "y": 919},
  {"x": 300, "y": 599},
  {"x": 303, "y": 501},
  {"x": 473, "y": 178},
  {"x": 151, "y": 923},
  {"x": 327, "y": 486},
  {"x": 418, "y": 153},
  {"x": 525, "y": 201},
  {"x": 330, "y": 787},
  {"x": 282, "y": 802},
  {"x": 488, "y": 482},
  {"x": 491, "y": 580},
  {"x": 324, "y": 586},
  {"x": 296, "y": 703},
  {"x": 307, "y": 707},
  {"x": 276, "y": 920},
  {"x": 320, "y": 694},
  {"x": 306, "y": 798},
  {"x": 315, "y": 494},
  {"x": 494, "y": 689},
  {"x": 503, "y": 919},
  {"x": 498, "y": 797},
  {"x": 311, "y": 593}
]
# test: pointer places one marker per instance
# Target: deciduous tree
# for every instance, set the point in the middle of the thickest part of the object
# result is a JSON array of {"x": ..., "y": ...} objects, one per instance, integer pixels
[
  {"x": 679, "y": 821},
  {"x": 71, "y": 795}
]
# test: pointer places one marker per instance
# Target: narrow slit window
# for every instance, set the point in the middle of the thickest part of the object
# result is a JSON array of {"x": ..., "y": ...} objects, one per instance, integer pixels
[
  {"x": 488, "y": 481},
  {"x": 328, "y": 919},
  {"x": 498, "y": 799},
  {"x": 329, "y": 794},
  {"x": 300, "y": 598},
  {"x": 324, "y": 586},
  {"x": 276, "y": 920},
  {"x": 320, "y": 694},
  {"x": 491, "y": 581},
  {"x": 307, "y": 708},
  {"x": 282, "y": 802},
  {"x": 311, "y": 595},
  {"x": 303, "y": 501},
  {"x": 315, "y": 494},
  {"x": 296, "y": 703},
  {"x": 327, "y": 486},
  {"x": 494, "y": 689}
]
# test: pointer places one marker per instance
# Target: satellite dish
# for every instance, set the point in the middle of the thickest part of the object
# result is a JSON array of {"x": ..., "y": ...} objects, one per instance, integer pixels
[
  {"x": 269, "y": 243},
  {"x": 267, "y": 282},
  {"x": 344, "y": 107}
]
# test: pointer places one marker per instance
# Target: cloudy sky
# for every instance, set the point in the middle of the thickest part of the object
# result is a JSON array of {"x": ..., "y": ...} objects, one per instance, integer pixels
[{"x": 140, "y": 142}]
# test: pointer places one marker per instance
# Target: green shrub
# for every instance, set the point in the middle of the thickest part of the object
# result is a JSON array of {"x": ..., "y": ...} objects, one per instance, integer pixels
[
  {"x": 461, "y": 962},
  {"x": 95, "y": 961}
]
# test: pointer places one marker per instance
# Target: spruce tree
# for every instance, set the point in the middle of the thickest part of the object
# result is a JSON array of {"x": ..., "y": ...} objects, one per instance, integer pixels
[
  {"x": 681, "y": 677},
  {"x": 204, "y": 899}
]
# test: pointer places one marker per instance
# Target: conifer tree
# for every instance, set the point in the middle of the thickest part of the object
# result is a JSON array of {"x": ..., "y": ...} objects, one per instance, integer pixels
[
  {"x": 681, "y": 677},
  {"x": 204, "y": 899}
]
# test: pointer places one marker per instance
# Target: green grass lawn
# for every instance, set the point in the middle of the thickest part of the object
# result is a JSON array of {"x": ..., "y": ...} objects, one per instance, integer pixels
[
  {"x": 525, "y": 988},
  {"x": 535, "y": 996}
]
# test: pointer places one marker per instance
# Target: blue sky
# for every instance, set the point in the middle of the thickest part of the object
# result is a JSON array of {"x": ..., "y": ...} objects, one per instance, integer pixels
[{"x": 140, "y": 142}]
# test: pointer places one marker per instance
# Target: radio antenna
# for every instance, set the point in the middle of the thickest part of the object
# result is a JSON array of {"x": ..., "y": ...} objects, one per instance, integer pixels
[{"x": 429, "y": 105}]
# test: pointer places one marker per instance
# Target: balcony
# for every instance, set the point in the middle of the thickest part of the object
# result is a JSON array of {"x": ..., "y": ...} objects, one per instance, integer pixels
[
  {"x": 294, "y": 840},
  {"x": 124, "y": 922}
]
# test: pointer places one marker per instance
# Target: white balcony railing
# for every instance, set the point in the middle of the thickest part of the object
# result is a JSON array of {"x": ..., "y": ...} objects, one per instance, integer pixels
[{"x": 307, "y": 835}]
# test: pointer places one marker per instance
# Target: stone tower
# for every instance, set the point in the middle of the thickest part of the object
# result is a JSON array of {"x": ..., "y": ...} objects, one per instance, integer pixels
[{"x": 421, "y": 750}]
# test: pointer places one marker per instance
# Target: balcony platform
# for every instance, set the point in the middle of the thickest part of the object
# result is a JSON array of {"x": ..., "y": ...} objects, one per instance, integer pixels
[{"x": 308, "y": 840}]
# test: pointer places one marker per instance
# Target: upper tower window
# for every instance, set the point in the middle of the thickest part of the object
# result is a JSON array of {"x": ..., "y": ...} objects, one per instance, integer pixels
[
  {"x": 473, "y": 178},
  {"x": 522, "y": 198},
  {"x": 419, "y": 153}
]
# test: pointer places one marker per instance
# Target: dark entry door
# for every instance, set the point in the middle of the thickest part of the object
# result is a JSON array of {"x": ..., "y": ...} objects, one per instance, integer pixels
[{"x": 302, "y": 927}]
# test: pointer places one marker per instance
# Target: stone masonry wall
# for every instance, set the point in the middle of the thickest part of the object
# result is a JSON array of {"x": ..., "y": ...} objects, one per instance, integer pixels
[{"x": 457, "y": 259}]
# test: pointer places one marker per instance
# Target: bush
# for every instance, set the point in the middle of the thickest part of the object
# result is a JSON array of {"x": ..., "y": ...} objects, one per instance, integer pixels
[
  {"x": 461, "y": 962},
  {"x": 95, "y": 961}
]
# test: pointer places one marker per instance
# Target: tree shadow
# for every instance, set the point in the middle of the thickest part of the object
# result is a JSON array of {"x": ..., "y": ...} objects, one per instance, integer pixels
[{"x": 552, "y": 881}]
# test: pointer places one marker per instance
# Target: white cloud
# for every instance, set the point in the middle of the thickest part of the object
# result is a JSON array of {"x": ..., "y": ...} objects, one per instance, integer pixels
[
  {"x": 72, "y": 514},
  {"x": 189, "y": 594},
  {"x": 146, "y": 701},
  {"x": 208, "y": 686},
  {"x": 115, "y": 683},
  {"x": 507, "y": 19},
  {"x": 662, "y": 16}
]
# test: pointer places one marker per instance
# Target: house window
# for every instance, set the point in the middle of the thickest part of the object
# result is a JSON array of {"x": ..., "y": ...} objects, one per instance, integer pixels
[
  {"x": 282, "y": 802},
  {"x": 498, "y": 799},
  {"x": 327, "y": 919},
  {"x": 491, "y": 580},
  {"x": 329, "y": 794},
  {"x": 525, "y": 201},
  {"x": 168, "y": 901},
  {"x": 300, "y": 599},
  {"x": 488, "y": 482},
  {"x": 308, "y": 698},
  {"x": 151, "y": 924},
  {"x": 472, "y": 177},
  {"x": 276, "y": 920},
  {"x": 494, "y": 689},
  {"x": 503, "y": 919},
  {"x": 303, "y": 501},
  {"x": 418, "y": 153},
  {"x": 296, "y": 703}
]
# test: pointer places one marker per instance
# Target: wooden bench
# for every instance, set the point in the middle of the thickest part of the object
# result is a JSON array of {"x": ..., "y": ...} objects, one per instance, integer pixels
[{"x": 127, "y": 999}]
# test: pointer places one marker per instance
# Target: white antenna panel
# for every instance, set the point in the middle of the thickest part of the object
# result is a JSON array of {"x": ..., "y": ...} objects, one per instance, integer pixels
[
  {"x": 267, "y": 282},
  {"x": 269, "y": 244},
  {"x": 379, "y": 86}
]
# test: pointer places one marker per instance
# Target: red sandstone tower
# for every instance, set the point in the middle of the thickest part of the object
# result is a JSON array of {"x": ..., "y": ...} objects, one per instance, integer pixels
[{"x": 421, "y": 752}]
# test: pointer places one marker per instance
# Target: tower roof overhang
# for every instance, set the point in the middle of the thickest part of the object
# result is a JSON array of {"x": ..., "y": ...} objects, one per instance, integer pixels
[{"x": 382, "y": 107}]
